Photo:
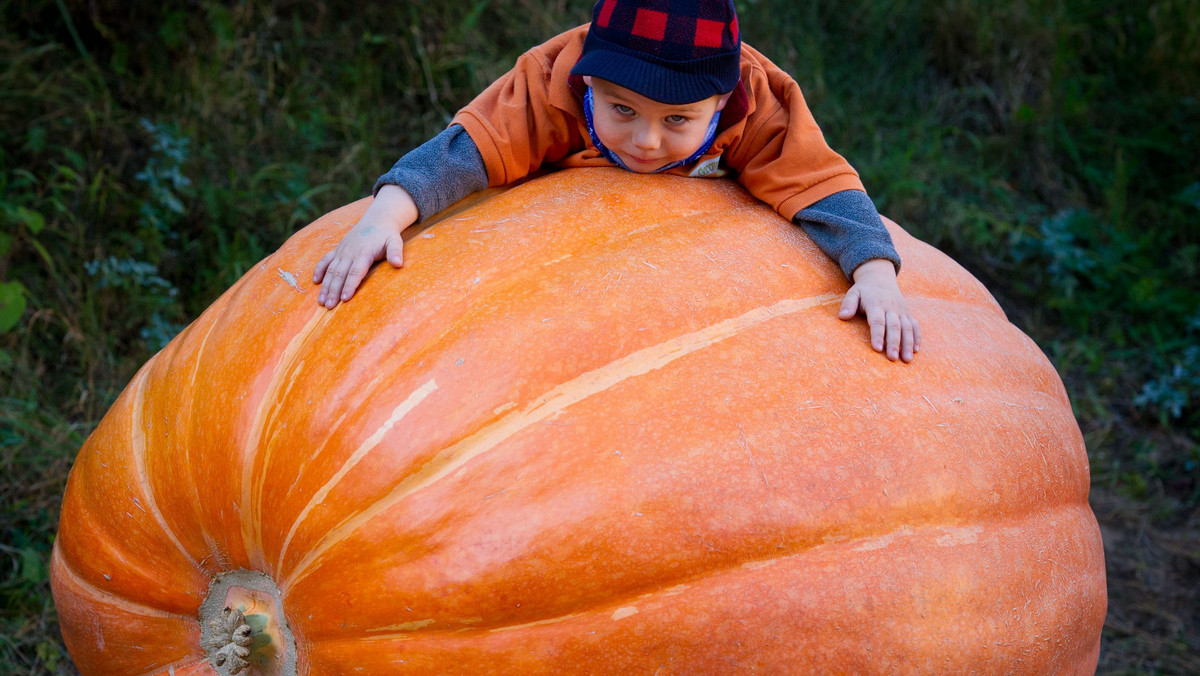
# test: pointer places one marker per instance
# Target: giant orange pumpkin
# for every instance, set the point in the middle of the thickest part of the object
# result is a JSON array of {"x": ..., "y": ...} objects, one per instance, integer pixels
[{"x": 600, "y": 423}]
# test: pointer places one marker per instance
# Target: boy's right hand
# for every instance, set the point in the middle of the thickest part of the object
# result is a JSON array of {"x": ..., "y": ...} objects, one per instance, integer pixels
[{"x": 377, "y": 235}]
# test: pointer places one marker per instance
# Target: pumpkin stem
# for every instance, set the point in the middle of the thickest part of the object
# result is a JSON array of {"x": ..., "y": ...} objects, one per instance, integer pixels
[
  {"x": 230, "y": 641},
  {"x": 243, "y": 630}
]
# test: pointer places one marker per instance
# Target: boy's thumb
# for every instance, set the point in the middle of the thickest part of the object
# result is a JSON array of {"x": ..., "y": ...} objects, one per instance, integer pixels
[
  {"x": 395, "y": 252},
  {"x": 849, "y": 306}
]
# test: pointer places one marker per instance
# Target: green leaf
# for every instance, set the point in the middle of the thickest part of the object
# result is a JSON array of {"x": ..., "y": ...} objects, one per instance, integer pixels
[
  {"x": 120, "y": 58},
  {"x": 35, "y": 140},
  {"x": 75, "y": 159},
  {"x": 471, "y": 20},
  {"x": 26, "y": 178},
  {"x": 12, "y": 305},
  {"x": 32, "y": 219},
  {"x": 33, "y": 570},
  {"x": 221, "y": 22},
  {"x": 44, "y": 254},
  {"x": 174, "y": 30},
  {"x": 49, "y": 654}
]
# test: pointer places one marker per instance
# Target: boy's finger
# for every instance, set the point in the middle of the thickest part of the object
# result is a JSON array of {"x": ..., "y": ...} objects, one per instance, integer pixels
[
  {"x": 358, "y": 270},
  {"x": 906, "y": 339},
  {"x": 395, "y": 252},
  {"x": 893, "y": 336},
  {"x": 849, "y": 304},
  {"x": 916, "y": 335},
  {"x": 319, "y": 271},
  {"x": 876, "y": 320},
  {"x": 329, "y": 295},
  {"x": 331, "y": 290}
]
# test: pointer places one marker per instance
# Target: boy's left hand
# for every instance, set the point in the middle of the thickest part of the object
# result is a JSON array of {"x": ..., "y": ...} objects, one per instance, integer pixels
[{"x": 877, "y": 295}]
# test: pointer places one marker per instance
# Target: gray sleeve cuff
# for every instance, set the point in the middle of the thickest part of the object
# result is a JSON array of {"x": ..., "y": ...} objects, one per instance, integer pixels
[
  {"x": 848, "y": 229},
  {"x": 439, "y": 172}
]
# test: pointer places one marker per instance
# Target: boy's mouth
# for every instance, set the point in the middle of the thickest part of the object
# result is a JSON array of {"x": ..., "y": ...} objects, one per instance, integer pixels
[{"x": 644, "y": 161}]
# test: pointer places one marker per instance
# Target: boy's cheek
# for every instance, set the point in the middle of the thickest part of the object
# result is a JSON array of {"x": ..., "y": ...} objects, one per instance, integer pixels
[{"x": 607, "y": 136}]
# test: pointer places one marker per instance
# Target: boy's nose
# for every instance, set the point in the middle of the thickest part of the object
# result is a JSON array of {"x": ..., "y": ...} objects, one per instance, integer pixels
[{"x": 647, "y": 138}]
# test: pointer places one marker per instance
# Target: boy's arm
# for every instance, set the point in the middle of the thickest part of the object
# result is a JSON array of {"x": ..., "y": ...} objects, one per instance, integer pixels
[
  {"x": 848, "y": 229},
  {"x": 439, "y": 172},
  {"x": 424, "y": 181}
]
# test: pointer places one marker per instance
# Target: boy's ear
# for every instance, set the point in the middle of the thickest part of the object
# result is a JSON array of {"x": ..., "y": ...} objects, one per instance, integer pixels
[
  {"x": 723, "y": 101},
  {"x": 587, "y": 80}
]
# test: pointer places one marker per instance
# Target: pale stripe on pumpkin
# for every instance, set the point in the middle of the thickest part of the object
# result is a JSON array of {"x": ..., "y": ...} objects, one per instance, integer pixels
[
  {"x": 66, "y": 569},
  {"x": 252, "y": 482},
  {"x": 367, "y": 446},
  {"x": 214, "y": 549},
  {"x": 138, "y": 450}
]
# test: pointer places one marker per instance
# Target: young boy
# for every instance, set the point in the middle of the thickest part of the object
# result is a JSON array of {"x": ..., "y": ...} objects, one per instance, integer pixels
[{"x": 649, "y": 86}]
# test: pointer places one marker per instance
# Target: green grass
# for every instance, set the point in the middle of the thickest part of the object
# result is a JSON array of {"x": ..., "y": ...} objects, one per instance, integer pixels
[{"x": 150, "y": 154}]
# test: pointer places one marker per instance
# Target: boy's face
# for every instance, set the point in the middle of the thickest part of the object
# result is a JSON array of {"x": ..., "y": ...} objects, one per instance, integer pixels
[{"x": 645, "y": 133}]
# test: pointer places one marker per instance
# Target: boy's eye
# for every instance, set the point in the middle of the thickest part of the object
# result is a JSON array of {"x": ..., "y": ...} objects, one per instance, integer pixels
[
  {"x": 622, "y": 109},
  {"x": 676, "y": 119}
]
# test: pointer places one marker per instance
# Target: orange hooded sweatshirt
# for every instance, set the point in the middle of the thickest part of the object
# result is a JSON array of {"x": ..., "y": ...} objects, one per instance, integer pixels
[{"x": 533, "y": 115}]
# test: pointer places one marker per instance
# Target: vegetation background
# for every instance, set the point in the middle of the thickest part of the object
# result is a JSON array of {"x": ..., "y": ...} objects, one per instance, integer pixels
[{"x": 150, "y": 153}]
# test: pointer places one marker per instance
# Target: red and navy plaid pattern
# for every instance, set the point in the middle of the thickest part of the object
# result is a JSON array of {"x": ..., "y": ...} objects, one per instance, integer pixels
[
  {"x": 675, "y": 30},
  {"x": 674, "y": 51}
]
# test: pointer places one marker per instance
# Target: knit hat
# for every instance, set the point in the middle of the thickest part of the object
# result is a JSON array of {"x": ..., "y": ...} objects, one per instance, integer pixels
[{"x": 671, "y": 51}]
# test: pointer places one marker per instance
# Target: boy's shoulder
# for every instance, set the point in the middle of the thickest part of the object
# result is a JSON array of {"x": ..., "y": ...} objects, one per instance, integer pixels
[
  {"x": 756, "y": 66},
  {"x": 566, "y": 46}
]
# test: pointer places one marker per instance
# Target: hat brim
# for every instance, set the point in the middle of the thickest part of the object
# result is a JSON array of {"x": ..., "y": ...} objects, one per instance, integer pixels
[{"x": 657, "y": 79}]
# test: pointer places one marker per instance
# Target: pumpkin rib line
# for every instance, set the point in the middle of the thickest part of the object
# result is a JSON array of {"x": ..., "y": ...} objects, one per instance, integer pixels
[
  {"x": 217, "y": 309},
  {"x": 672, "y": 587},
  {"x": 366, "y": 393},
  {"x": 138, "y": 450},
  {"x": 101, "y": 596},
  {"x": 369, "y": 444},
  {"x": 222, "y": 309},
  {"x": 214, "y": 549},
  {"x": 450, "y": 458},
  {"x": 265, "y": 414},
  {"x": 335, "y": 427}
]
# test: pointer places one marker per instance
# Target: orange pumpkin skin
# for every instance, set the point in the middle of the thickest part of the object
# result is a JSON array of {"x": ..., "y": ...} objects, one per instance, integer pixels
[{"x": 599, "y": 423}]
